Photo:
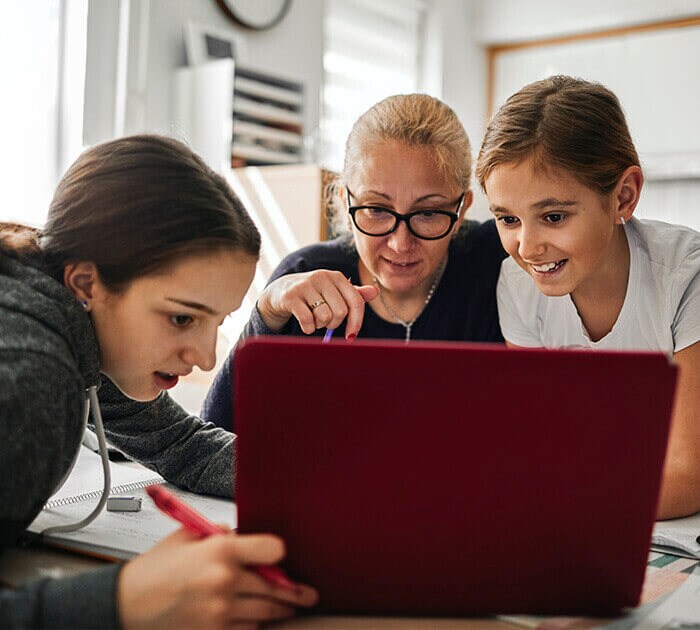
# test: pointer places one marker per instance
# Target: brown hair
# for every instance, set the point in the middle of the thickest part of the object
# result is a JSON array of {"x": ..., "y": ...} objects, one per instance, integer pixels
[
  {"x": 561, "y": 122},
  {"x": 417, "y": 120},
  {"x": 134, "y": 205}
]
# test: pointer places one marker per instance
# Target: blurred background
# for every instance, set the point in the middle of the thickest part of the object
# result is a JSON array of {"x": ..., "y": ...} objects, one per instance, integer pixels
[{"x": 266, "y": 91}]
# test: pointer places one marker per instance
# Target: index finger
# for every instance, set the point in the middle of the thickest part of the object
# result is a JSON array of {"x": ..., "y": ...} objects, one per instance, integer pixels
[
  {"x": 356, "y": 309},
  {"x": 251, "y": 548}
]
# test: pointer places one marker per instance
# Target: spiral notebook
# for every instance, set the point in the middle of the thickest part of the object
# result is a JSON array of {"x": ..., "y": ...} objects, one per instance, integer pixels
[
  {"x": 86, "y": 481},
  {"x": 117, "y": 535}
]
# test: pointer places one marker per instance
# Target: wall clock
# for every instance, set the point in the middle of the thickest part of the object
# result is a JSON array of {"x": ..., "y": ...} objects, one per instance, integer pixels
[{"x": 255, "y": 14}]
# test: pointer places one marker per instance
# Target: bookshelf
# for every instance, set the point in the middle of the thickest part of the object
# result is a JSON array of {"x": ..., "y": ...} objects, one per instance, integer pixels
[
  {"x": 267, "y": 120},
  {"x": 236, "y": 116}
]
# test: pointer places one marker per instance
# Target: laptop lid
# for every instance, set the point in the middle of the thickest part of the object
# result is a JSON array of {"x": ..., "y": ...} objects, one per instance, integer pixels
[{"x": 453, "y": 478}]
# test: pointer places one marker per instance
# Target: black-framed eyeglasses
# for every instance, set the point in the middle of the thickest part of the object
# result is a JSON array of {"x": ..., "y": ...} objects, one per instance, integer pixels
[{"x": 429, "y": 224}]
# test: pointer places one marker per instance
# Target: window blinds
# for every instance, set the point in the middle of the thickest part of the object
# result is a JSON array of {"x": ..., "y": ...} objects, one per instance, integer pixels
[{"x": 371, "y": 50}]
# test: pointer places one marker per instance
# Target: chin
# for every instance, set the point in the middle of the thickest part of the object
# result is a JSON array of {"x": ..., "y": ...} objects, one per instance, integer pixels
[
  {"x": 551, "y": 291},
  {"x": 139, "y": 394}
]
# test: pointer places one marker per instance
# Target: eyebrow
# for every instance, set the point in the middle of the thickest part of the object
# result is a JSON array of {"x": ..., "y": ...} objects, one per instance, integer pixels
[
  {"x": 388, "y": 198},
  {"x": 193, "y": 305},
  {"x": 545, "y": 203},
  {"x": 551, "y": 201}
]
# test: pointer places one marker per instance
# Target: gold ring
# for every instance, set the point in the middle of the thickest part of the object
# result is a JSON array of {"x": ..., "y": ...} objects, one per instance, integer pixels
[{"x": 317, "y": 303}]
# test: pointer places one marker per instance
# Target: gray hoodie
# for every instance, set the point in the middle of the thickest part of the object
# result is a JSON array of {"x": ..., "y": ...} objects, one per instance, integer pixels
[{"x": 48, "y": 357}]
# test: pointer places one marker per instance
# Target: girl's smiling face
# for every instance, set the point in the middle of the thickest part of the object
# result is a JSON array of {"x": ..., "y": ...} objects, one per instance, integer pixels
[
  {"x": 560, "y": 231},
  {"x": 162, "y": 325}
]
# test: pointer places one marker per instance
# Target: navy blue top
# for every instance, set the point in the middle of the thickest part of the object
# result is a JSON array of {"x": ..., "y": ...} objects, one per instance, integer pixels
[{"x": 463, "y": 307}]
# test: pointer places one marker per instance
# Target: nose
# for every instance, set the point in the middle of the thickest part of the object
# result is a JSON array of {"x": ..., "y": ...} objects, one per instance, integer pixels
[
  {"x": 401, "y": 239},
  {"x": 202, "y": 352},
  {"x": 531, "y": 245}
]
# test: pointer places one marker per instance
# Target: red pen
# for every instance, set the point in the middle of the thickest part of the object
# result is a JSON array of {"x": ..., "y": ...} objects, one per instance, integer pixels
[{"x": 192, "y": 520}]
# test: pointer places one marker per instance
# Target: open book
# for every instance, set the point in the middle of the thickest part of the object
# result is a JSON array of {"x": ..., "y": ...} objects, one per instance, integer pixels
[
  {"x": 118, "y": 535},
  {"x": 678, "y": 537}
]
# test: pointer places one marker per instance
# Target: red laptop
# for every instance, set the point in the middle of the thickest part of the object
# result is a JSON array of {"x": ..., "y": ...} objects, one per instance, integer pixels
[{"x": 453, "y": 478}]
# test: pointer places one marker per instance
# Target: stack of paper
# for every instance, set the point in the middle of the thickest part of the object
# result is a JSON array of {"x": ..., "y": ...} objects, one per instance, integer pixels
[{"x": 678, "y": 537}]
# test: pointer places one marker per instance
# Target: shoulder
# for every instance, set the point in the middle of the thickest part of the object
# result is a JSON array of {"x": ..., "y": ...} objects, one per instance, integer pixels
[
  {"x": 669, "y": 246},
  {"x": 339, "y": 254},
  {"x": 38, "y": 315},
  {"x": 31, "y": 319},
  {"x": 40, "y": 428}
]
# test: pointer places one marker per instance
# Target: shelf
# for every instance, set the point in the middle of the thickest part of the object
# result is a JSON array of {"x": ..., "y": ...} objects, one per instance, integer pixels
[
  {"x": 262, "y": 154},
  {"x": 243, "y": 129},
  {"x": 268, "y": 119},
  {"x": 262, "y": 90},
  {"x": 261, "y": 111}
]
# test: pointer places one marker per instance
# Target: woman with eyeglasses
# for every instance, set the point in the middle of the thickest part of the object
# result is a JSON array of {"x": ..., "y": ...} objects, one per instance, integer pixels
[{"x": 407, "y": 264}]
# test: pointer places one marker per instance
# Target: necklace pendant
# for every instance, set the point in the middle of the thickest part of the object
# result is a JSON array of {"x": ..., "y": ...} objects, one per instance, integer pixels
[{"x": 408, "y": 332}]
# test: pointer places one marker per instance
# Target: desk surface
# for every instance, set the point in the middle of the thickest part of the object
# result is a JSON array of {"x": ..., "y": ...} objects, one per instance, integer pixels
[{"x": 665, "y": 573}]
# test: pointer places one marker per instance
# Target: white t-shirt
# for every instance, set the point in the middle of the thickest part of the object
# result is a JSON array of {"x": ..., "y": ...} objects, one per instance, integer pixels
[{"x": 661, "y": 311}]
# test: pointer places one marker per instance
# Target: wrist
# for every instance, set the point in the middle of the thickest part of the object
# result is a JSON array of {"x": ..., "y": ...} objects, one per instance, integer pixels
[{"x": 273, "y": 321}]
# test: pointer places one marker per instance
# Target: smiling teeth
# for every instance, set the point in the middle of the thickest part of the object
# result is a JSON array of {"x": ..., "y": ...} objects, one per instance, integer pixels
[{"x": 547, "y": 266}]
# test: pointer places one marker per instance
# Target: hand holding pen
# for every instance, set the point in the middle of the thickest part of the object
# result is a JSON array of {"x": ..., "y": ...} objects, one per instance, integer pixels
[
  {"x": 196, "y": 523},
  {"x": 206, "y": 581},
  {"x": 317, "y": 299}
]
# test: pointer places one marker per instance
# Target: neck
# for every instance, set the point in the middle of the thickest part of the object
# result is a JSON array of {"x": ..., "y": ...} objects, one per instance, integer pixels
[
  {"x": 405, "y": 306},
  {"x": 600, "y": 299}
]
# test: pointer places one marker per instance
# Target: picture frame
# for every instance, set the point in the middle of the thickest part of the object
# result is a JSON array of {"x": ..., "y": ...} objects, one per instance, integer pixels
[{"x": 206, "y": 43}]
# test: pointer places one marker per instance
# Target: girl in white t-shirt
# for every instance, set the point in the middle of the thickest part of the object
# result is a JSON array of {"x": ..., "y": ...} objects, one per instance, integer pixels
[{"x": 563, "y": 178}]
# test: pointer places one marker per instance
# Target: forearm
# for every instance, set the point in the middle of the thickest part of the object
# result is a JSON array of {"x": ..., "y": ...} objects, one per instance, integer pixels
[
  {"x": 164, "y": 437},
  {"x": 680, "y": 492},
  {"x": 87, "y": 600},
  {"x": 256, "y": 326}
]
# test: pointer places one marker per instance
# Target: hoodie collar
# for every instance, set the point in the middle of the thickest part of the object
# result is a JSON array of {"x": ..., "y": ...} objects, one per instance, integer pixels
[{"x": 28, "y": 290}]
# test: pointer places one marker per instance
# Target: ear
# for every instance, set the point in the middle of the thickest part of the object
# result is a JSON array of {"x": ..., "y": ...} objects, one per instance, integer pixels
[
  {"x": 83, "y": 281},
  {"x": 466, "y": 204},
  {"x": 627, "y": 192}
]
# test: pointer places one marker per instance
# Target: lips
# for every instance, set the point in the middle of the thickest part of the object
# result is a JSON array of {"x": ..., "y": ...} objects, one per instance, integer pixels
[
  {"x": 166, "y": 380},
  {"x": 548, "y": 268},
  {"x": 400, "y": 265}
]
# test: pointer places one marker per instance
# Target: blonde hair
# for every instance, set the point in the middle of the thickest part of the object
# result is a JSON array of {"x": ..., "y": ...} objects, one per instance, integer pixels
[
  {"x": 416, "y": 120},
  {"x": 561, "y": 122}
]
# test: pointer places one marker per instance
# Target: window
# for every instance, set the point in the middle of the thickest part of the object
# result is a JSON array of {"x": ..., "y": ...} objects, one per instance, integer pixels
[
  {"x": 371, "y": 50},
  {"x": 42, "y": 61}
]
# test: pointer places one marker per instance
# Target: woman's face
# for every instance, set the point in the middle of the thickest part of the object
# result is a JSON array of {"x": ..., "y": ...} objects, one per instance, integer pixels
[
  {"x": 404, "y": 179},
  {"x": 163, "y": 325}
]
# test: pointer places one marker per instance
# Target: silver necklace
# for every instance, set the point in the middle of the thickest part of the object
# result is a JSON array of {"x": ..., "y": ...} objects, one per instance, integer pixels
[{"x": 408, "y": 325}]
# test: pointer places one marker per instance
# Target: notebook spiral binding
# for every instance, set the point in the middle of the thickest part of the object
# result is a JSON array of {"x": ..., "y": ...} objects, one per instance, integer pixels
[{"x": 96, "y": 494}]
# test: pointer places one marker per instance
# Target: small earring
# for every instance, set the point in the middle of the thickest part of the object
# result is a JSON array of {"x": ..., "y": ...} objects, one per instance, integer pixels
[
  {"x": 622, "y": 221},
  {"x": 84, "y": 304}
]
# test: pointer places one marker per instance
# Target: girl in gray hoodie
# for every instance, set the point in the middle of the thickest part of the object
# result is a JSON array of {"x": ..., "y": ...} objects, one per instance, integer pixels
[{"x": 144, "y": 253}]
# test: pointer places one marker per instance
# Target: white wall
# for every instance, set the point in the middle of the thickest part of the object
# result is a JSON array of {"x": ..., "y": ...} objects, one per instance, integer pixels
[
  {"x": 508, "y": 21},
  {"x": 457, "y": 37},
  {"x": 456, "y": 71},
  {"x": 155, "y": 48},
  {"x": 461, "y": 30}
]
